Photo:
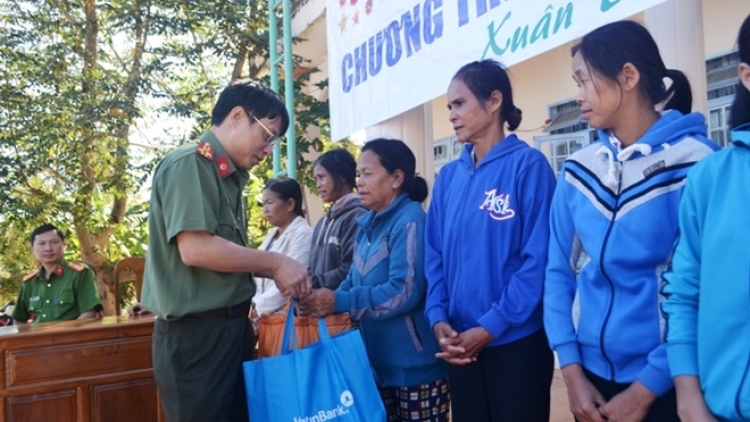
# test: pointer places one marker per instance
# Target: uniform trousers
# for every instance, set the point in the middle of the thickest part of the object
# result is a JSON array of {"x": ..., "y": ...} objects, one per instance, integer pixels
[{"x": 198, "y": 368}]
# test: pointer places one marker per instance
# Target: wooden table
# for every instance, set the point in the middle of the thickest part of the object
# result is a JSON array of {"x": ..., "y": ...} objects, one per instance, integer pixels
[{"x": 96, "y": 370}]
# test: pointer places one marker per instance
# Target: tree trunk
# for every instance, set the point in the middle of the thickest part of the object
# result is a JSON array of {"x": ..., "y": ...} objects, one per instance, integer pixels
[{"x": 91, "y": 252}]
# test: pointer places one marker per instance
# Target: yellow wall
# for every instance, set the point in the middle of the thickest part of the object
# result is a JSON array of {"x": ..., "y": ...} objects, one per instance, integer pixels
[
  {"x": 537, "y": 83},
  {"x": 441, "y": 127},
  {"x": 721, "y": 23}
]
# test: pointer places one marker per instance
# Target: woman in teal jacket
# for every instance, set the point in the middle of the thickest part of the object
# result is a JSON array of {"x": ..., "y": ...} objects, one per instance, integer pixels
[
  {"x": 385, "y": 288},
  {"x": 708, "y": 286}
]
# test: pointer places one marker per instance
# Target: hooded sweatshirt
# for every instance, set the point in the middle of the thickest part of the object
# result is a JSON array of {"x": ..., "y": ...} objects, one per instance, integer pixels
[
  {"x": 333, "y": 242},
  {"x": 385, "y": 291},
  {"x": 486, "y": 241},
  {"x": 708, "y": 286},
  {"x": 619, "y": 208}
]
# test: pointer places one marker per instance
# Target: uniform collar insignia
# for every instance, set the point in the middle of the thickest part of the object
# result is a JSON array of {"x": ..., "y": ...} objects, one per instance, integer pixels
[
  {"x": 59, "y": 270},
  {"x": 222, "y": 164}
]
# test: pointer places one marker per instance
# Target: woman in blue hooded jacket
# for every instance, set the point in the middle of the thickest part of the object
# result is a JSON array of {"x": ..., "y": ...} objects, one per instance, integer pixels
[
  {"x": 486, "y": 246},
  {"x": 708, "y": 287},
  {"x": 385, "y": 288},
  {"x": 616, "y": 201}
]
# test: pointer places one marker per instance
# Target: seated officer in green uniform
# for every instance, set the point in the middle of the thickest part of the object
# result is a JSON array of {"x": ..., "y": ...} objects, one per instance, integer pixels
[
  {"x": 58, "y": 290},
  {"x": 198, "y": 277}
]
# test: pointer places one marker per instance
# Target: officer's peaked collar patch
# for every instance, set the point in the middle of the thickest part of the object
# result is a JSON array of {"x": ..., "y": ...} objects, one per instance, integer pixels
[{"x": 222, "y": 164}]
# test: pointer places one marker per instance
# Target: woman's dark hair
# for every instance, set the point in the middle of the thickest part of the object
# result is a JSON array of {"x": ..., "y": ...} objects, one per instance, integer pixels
[
  {"x": 395, "y": 155},
  {"x": 342, "y": 167},
  {"x": 485, "y": 77},
  {"x": 608, "y": 48},
  {"x": 741, "y": 104},
  {"x": 286, "y": 189},
  {"x": 255, "y": 98}
]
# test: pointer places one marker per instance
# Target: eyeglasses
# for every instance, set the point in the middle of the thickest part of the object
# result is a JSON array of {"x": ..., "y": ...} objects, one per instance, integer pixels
[{"x": 272, "y": 138}]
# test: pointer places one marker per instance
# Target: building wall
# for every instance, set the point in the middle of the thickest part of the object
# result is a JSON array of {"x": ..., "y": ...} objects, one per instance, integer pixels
[
  {"x": 537, "y": 82},
  {"x": 721, "y": 23},
  {"x": 546, "y": 79}
]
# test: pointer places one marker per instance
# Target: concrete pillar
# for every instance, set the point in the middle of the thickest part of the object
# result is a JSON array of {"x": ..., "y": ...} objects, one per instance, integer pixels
[{"x": 677, "y": 27}]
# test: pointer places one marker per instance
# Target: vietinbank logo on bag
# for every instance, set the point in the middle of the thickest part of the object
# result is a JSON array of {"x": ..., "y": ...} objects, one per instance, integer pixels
[
  {"x": 347, "y": 400},
  {"x": 498, "y": 205}
]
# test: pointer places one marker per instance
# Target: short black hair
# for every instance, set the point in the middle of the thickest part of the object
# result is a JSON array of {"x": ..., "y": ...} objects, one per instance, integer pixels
[
  {"x": 608, "y": 48},
  {"x": 44, "y": 228},
  {"x": 741, "y": 105},
  {"x": 255, "y": 98},
  {"x": 485, "y": 77},
  {"x": 342, "y": 167},
  {"x": 286, "y": 189},
  {"x": 393, "y": 155}
]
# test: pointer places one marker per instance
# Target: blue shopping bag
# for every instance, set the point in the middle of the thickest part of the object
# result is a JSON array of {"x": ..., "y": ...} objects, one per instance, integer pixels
[{"x": 328, "y": 381}]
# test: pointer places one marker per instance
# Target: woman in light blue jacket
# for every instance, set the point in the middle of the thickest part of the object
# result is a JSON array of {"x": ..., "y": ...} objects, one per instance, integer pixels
[{"x": 708, "y": 286}]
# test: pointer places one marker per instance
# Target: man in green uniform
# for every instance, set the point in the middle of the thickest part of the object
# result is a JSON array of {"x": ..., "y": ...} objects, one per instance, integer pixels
[
  {"x": 58, "y": 290},
  {"x": 198, "y": 277}
]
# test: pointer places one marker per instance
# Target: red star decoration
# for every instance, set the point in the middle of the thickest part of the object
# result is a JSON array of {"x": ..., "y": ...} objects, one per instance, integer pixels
[{"x": 368, "y": 7}]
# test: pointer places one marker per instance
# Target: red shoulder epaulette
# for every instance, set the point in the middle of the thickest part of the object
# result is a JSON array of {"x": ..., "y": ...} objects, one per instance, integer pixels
[
  {"x": 205, "y": 150},
  {"x": 31, "y": 275}
]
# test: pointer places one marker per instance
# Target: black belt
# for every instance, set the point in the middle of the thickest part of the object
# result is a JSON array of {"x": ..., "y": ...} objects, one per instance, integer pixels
[{"x": 241, "y": 310}]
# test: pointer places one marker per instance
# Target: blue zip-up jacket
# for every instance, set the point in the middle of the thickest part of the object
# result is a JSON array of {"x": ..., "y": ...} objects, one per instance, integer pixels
[
  {"x": 620, "y": 209},
  {"x": 708, "y": 286},
  {"x": 486, "y": 244},
  {"x": 385, "y": 292}
]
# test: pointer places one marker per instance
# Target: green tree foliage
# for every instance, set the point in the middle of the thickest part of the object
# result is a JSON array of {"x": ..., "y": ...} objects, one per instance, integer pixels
[{"x": 75, "y": 78}]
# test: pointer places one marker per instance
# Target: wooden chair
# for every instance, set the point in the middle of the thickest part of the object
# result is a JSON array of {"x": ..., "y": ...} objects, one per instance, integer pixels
[{"x": 134, "y": 264}]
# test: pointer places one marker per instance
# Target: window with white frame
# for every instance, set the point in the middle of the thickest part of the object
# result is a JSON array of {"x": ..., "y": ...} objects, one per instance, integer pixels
[
  {"x": 721, "y": 79},
  {"x": 718, "y": 123},
  {"x": 565, "y": 117},
  {"x": 557, "y": 148},
  {"x": 567, "y": 133},
  {"x": 444, "y": 151}
]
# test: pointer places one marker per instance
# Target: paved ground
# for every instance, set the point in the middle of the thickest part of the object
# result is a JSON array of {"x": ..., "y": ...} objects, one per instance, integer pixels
[{"x": 559, "y": 411}]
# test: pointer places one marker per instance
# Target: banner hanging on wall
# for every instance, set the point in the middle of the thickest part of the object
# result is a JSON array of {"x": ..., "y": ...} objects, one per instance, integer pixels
[{"x": 388, "y": 56}]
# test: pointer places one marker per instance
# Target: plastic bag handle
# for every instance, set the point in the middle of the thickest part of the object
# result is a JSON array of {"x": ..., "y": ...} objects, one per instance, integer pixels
[
  {"x": 323, "y": 330},
  {"x": 290, "y": 334}
]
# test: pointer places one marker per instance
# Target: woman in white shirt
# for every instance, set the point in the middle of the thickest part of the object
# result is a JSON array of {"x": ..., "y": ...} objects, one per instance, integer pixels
[{"x": 291, "y": 236}]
